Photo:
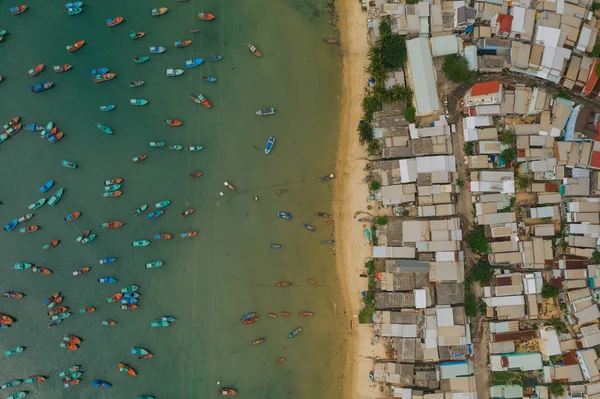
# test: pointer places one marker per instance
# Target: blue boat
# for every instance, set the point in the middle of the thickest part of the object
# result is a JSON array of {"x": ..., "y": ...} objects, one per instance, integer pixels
[
  {"x": 215, "y": 57},
  {"x": 131, "y": 295},
  {"x": 277, "y": 246},
  {"x": 106, "y": 108},
  {"x": 41, "y": 87},
  {"x": 34, "y": 127},
  {"x": 295, "y": 332},
  {"x": 76, "y": 4},
  {"x": 107, "y": 280},
  {"x": 269, "y": 145},
  {"x": 108, "y": 260},
  {"x": 209, "y": 79},
  {"x": 101, "y": 384},
  {"x": 284, "y": 215},
  {"x": 47, "y": 186},
  {"x": 128, "y": 301},
  {"x": 194, "y": 62},
  {"x": 154, "y": 215},
  {"x": 13, "y": 223},
  {"x": 99, "y": 71}
]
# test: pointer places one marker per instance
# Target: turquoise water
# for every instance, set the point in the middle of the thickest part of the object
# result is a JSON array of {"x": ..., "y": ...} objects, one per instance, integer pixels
[{"x": 207, "y": 282}]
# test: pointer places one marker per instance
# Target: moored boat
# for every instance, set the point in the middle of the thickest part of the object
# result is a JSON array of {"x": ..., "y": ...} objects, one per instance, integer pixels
[
  {"x": 176, "y": 147},
  {"x": 272, "y": 315},
  {"x": 129, "y": 307},
  {"x": 114, "y": 21},
  {"x": 112, "y": 225},
  {"x": 82, "y": 271},
  {"x": 18, "y": 9},
  {"x": 29, "y": 229},
  {"x": 58, "y": 310},
  {"x": 17, "y": 395},
  {"x": 56, "y": 197},
  {"x": 137, "y": 35},
  {"x": 311, "y": 281},
  {"x": 173, "y": 122},
  {"x": 110, "y": 323},
  {"x": 6, "y": 320},
  {"x": 199, "y": 99},
  {"x": 139, "y": 158},
  {"x": 182, "y": 43},
  {"x": 162, "y": 204},
  {"x": 269, "y": 145},
  {"x": 295, "y": 332},
  {"x": 194, "y": 62},
  {"x": 13, "y": 295},
  {"x": 229, "y": 185},
  {"x": 171, "y": 72},
  {"x": 74, "y": 11},
  {"x": 327, "y": 242},
  {"x": 136, "y": 83},
  {"x": 69, "y": 164},
  {"x": 158, "y": 11},
  {"x": 277, "y": 246},
  {"x": 170, "y": 319},
  {"x": 62, "y": 68},
  {"x": 196, "y": 174},
  {"x": 154, "y": 264},
  {"x": 83, "y": 235},
  {"x": 140, "y": 243},
  {"x": 141, "y": 60},
  {"x": 163, "y": 236},
  {"x": 88, "y": 239},
  {"x": 254, "y": 50},
  {"x": 104, "y": 77},
  {"x": 141, "y": 353},
  {"x": 36, "y": 70},
  {"x": 68, "y": 345},
  {"x": 157, "y": 50},
  {"x": 195, "y": 148},
  {"x": 280, "y": 360},
  {"x": 108, "y": 260},
  {"x": 138, "y": 101},
  {"x": 25, "y": 218},
  {"x": 154, "y": 215},
  {"x": 285, "y": 314},
  {"x": 227, "y": 392},
  {"x": 159, "y": 323},
  {"x": 214, "y": 57},
  {"x": 41, "y": 270},
  {"x": 308, "y": 226},
  {"x": 188, "y": 234},
  {"x": 101, "y": 384},
  {"x": 204, "y": 16},
  {"x": 306, "y": 314},
  {"x": 209, "y": 79},
  {"x": 47, "y": 186},
  {"x": 284, "y": 215},
  {"x": 75, "y": 46},
  {"x": 116, "y": 180},
  {"x": 265, "y": 112},
  {"x": 42, "y": 87},
  {"x": 248, "y": 316},
  {"x": 107, "y": 280},
  {"x": 157, "y": 144},
  {"x": 55, "y": 302},
  {"x": 284, "y": 284},
  {"x": 34, "y": 127},
  {"x": 87, "y": 310},
  {"x": 14, "y": 351},
  {"x": 68, "y": 372},
  {"x": 34, "y": 379},
  {"x": 112, "y": 187},
  {"x": 130, "y": 288},
  {"x": 251, "y": 320},
  {"x": 115, "y": 298},
  {"x": 51, "y": 298},
  {"x": 328, "y": 177},
  {"x": 73, "y": 216},
  {"x": 187, "y": 212},
  {"x": 106, "y": 108},
  {"x": 140, "y": 210},
  {"x": 12, "y": 224},
  {"x": 71, "y": 383},
  {"x": 74, "y": 4}
]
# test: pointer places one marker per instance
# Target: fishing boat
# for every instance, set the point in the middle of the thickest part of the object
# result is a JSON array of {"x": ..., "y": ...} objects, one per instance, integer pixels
[
  {"x": 182, "y": 43},
  {"x": 137, "y": 35},
  {"x": 209, "y": 79},
  {"x": 107, "y": 280},
  {"x": 14, "y": 351},
  {"x": 83, "y": 235},
  {"x": 265, "y": 112},
  {"x": 82, "y": 271},
  {"x": 34, "y": 127},
  {"x": 214, "y": 57},
  {"x": 308, "y": 226},
  {"x": 41, "y": 270},
  {"x": 174, "y": 72},
  {"x": 194, "y": 62},
  {"x": 173, "y": 122},
  {"x": 41, "y": 87},
  {"x": 58, "y": 310},
  {"x": 258, "y": 341},
  {"x": 68, "y": 345},
  {"x": 129, "y": 307},
  {"x": 272, "y": 315},
  {"x": 131, "y": 295},
  {"x": 18, "y": 9},
  {"x": 277, "y": 246},
  {"x": 306, "y": 314},
  {"x": 36, "y": 70},
  {"x": 187, "y": 212},
  {"x": 141, "y": 60},
  {"x": 254, "y": 50},
  {"x": 99, "y": 71},
  {"x": 12, "y": 224},
  {"x": 34, "y": 379},
  {"x": 47, "y": 186},
  {"x": 159, "y": 323},
  {"x": 188, "y": 234},
  {"x": 106, "y": 261},
  {"x": 71, "y": 383},
  {"x": 56, "y": 197},
  {"x": 13, "y": 295},
  {"x": 136, "y": 83},
  {"x": 6, "y": 320},
  {"x": 285, "y": 314},
  {"x": 113, "y": 187},
  {"x": 149, "y": 396},
  {"x": 157, "y": 50},
  {"x": 157, "y": 144},
  {"x": 112, "y": 225},
  {"x": 87, "y": 310},
  {"x": 62, "y": 68},
  {"x": 202, "y": 16},
  {"x": 138, "y": 101},
  {"x": 55, "y": 302},
  {"x": 327, "y": 242},
  {"x": 328, "y": 177},
  {"x": 75, "y": 46},
  {"x": 195, "y": 148},
  {"x": 101, "y": 384},
  {"x": 88, "y": 239},
  {"x": 110, "y": 323},
  {"x": 51, "y": 298},
  {"x": 159, "y": 11},
  {"x": 176, "y": 147},
  {"x": 104, "y": 77},
  {"x": 295, "y": 332},
  {"x": 140, "y": 243},
  {"x": 284, "y": 284},
  {"x": 170, "y": 319},
  {"x": 139, "y": 158},
  {"x": 73, "y": 376},
  {"x": 311, "y": 281},
  {"x": 284, "y": 215},
  {"x": 227, "y": 392},
  {"x": 163, "y": 236},
  {"x": 141, "y": 353},
  {"x": 74, "y": 11},
  {"x": 29, "y": 229},
  {"x": 115, "y": 298},
  {"x": 199, "y": 99},
  {"x": 154, "y": 264},
  {"x": 116, "y": 180},
  {"x": 25, "y": 218},
  {"x": 12, "y": 122},
  {"x": 140, "y": 210},
  {"x": 162, "y": 204},
  {"x": 17, "y": 395},
  {"x": 72, "y": 216},
  {"x": 251, "y": 320},
  {"x": 68, "y": 372},
  {"x": 106, "y": 108},
  {"x": 114, "y": 21},
  {"x": 154, "y": 215},
  {"x": 280, "y": 360},
  {"x": 196, "y": 174},
  {"x": 69, "y": 164},
  {"x": 74, "y": 4},
  {"x": 269, "y": 145}
]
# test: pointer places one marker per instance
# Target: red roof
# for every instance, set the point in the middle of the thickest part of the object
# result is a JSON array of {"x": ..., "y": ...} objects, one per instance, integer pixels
[
  {"x": 505, "y": 23},
  {"x": 595, "y": 162},
  {"x": 592, "y": 80},
  {"x": 480, "y": 89}
]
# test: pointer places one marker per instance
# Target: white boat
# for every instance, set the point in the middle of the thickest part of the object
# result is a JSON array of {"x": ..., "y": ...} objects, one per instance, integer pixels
[{"x": 174, "y": 72}]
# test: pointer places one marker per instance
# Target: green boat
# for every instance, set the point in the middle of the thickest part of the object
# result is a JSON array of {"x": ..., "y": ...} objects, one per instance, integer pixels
[
  {"x": 157, "y": 144},
  {"x": 88, "y": 239},
  {"x": 140, "y": 210},
  {"x": 145, "y": 397},
  {"x": 61, "y": 316},
  {"x": 162, "y": 204},
  {"x": 34, "y": 379},
  {"x": 141, "y": 60},
  {"x": 56, "y": 197},
  {"x": 37, "y": 204},
  {"x": 69, "y": 371},
  {"x": 74, "y": 11},
  {"x": 138, "y": 101},
  {"x": 69, "y": 164},
  {"x": 159, "y": 323},
  {"x": 104, "y": 128},
  {"x": 11, "y": 384},
  {"x": 154, "y": 264},
  {"x": 112, "y": 187},
  {"x": 131, "y": 288},
  {"x": 22, "y": 266},
  {"x": 17, "y": 395},
  {"x": 73, "y": 376},
  {"x": 140, "y": 243},
  {"x": 14, "y": 351}
]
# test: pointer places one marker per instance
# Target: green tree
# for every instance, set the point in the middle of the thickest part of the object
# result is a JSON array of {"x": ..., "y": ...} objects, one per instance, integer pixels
[
  {"x": 471, "y": 308},
  {"x": 460, "y": 183},
  {"x": 385, "y": 29},
  {"x": 596, "y": 6},
  {"x": 375, "y": 185},
  {"x": 559, "y": 325},
  {"x": 562, "y": 93},
  {"x": 365, "y": 132},
  {"x": 482, "y": 308},
  {"x": 393, "y": 52},
  {"x": 456, "y": 69},
  {"x": 549, "y": 291},
  {"x": 556, "y": 389},
  {"x": 508, "y": 155},
  {"x": 401, "y": 93},
  {"x": 468, "y": 148},
  {"x": 596, "y": 50},
  {"x": 381, "y": 220},
  {"x": 508, "y": 137},
  {"x": 481, "y": 272},
  {"x": 373, "y": 148},
  {"x": 370, "y": 106},
  {"x": 596, "y": 257},
  {"x": 410, "y": 114},
  {"x": 376, "y": 67},
  {"x": 523, "y": 182},
  {"x": 478, "y": 242}
]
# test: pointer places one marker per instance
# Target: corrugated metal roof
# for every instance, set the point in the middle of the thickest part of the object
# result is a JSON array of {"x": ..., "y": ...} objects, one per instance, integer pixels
[{"x": 423, "y": 77}]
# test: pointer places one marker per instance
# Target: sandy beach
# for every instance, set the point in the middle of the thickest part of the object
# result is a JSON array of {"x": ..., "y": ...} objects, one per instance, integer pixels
[{"x": 351, "y": 199}]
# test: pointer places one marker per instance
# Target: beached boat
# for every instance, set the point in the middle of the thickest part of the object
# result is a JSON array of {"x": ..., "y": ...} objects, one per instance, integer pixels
[
  {"x": 141, "y": 60},
  {"x": 154, "y": 264},
  {"x": 162, "y": 204},
  {"x": 115, "y": 298},
  {"x": 17, "y": 395},
  {"x": 163, "y": 236},
  {"x": 140, "y": 243},
  {"x": 69, "y": 164},
  {"x": 112, "y": 225},
  {"x": 34, "y": 127},
  {"x": 157, "y": 50},
  {"x": 62, "y": 68},
  {"x": 187, "y": 212},
  {"x": 254, "y": 50},
  {"x": 74, "y": 11},
  {"x": 209, "y": 79},
  {"x": 204, "y": 16},
  {"x": 107, "y": 280},
  {"x": 194, "y": 62},
  {"x": 159, "y": 11},
  {"x": 99, "y": 71},
  {"x": 306, "y": 314},
  {"x": 159, "y": 323},
  {"x": 42, "y": 87},
  {"x": 138, "y": 101},
  {"x": 36, "y": 70},
  {"x": 139, "y": 158},
  {"x": 114, "y": 21},
  {"x": 295, "y": 332},
  {"x": 308, "y": 226},
  {"x": 29, "y": 229},
  {"x": 129, "y": 307},
  {"x": 68, "y": 372},
  {"x": 58, "y": 310},
  {"x": 277, "y": 246},
  {"x": 141, "y": 353},
  {"x": 13, "y": 295},
  {"x": 34, "y": 379},
  {"x": 12, "y": 224},
  {"x": 265, "y": 112},
  {"x": 104, "y": 77},
  {"x": 18, "y": 9},
  {"x": 154, "y": 215},
  {"x": 214, "y": 57},
  {"x": 56, "y": 197},
  {"x": 173, "y": 122},
  {"x": 82, "y": 271},
  {"x": 284, "y": 284},
  {"x": 328, "y": 177},
  {"x": 25, "y": 218},
  {"x": 109, "y": 323},
  {"x": 284, "y": 215},
  {"x": 136, "y": 83},
  {"x": 176, "y": 147},
  {"x": 112, "y": 194},
  {"x": 68, "y": 345},
  {"x": 140, "y": 210},
  {"x": 227, "y": 392},
  {"x": 75, "y": 46},
  {"x": 88, "y": 239},
  {"x": 188, "y": 234},
  {"x": 87, "y": 310},
  {"x": 195, "y": 148},
  {"x": 73, "y": 216},
  {"x": 106, "y": 261},
  {"x": 182, "y": 43},
  {"x": 106, "y": 108},
  {"x": 269, "y": 145},
  {"x": 47, "y": 186},
  {"x": 174, "y": 72},
  {"x": 14, "y": 351},
  {"x": 101, "y": 384},
  {"x": 157, "y": 144}
]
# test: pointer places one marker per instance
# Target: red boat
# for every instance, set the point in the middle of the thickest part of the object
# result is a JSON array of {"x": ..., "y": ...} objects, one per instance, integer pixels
[
  {"x": 189, "y": 234},
  {"x": 105, "y": 77},
  {"x": 227, "y": 392},
  {"x": 113, "y": 194},
  {"x": 5, "y": 319},
  {"x": 306, "y": 314},
  {"x": 18, "y": 9},
  {"x": 41, "y": 270},
  {"x": 140, "y": 158},
  {"x": 115, "y": 298},
  {"x": 129, "y": 307},
  {"x": 254, "y": 50},
  {"x": 87, "y": 310},
  {"x": 280, "y": 360},
  {"x": 62, "y": 68},
  {"x": 196, "y": 174},
  {"x": 72, "y": 217},
  {"x": 250, "y": 321},
  {"x": 57, "y": 301},
  {"x": 57, "y": 137},
  {"x": 72, "y": 383},
  {"x": 81, "y": 271},
  {"x": 113, "y": 225},
  {"x": 182, "y": 43},
  {"x": 116, "y": 180},
  {"x": 284, "y": 284},
  {"x": 75, "y": 46},
  {"x": 163, "y": 236},
  {"x": 38, "y": 378},
  {"x": 109, "y": 322},
  {"x": 328, "y": 223},
  {"x": 51, "y": 298},
  {"x": 187, "y": 212},
  {"x": 285, "y": 314},
  {"x": 114, "y": 22},
  {"x": 173, "y": 122},
  {"x": 70, "y": 346},
  {"x": 36, "y": 70},
  {"x": 12, "y": 295},
  {"x": 72, "y": 338},
  {"x": 126, "y": 369},
  {"x": 29, "y": 229},
  {"x": 204, "y": 16},
  {"x": 59, "y": 310}
]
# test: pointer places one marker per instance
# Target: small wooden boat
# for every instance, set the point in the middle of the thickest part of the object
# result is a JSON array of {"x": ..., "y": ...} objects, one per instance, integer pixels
[
  {"x": 112, "y": 187},
  {"x": 272, "y": 315},
  {"x": 69, "y": 346},
  {"x": 106, "y": 108},
  {"x": 115, "y": 298},
  {"x": 265, "y": 112},
  {"x": 285, "y": 314},
  {"x": 162, "y": 204},
  {"x": 137, "y": 35},
  {"x": 72, "y": 383},
  {"x": 106, "y": 261},
  {"x": 74, "y": 11},
  {"x": 154, "y": 264},
  {"x": 277, "y": 246},
  {"x": 188, "y": 234},
  {"x": 229, "y": 185},
  {"x": 173, "y": 122},
  {"x": 12, "y": 224},
  {"x": 82, "y": 271},
  {"x": 163, "y": 236},
  {"x": 101, "y": 384},
  {"x": 87, "y": 310},
  {"x": 56, "y": 197},
  {"x": 18, "y": 9},
  {"x": 34, "y": 378},
  {"x": 140, "y": 210},
  {"x": 68, "y": 372},
  {"x": 62, "y": 68},
  {"x": 69, "y": 164},
  {"x": 205, "y": 16},
  {"x": 41, "y": 270},
  {"x": 209, "y": 79},
  {"x": 42, "y": 87},
  {"x": 308, "y": 226},
  {"x": 141, "y": 353},
  {"x": 227, "y": 392},
  {"x": 14, "y": 351},
  {"x": 194, "y": 30},
  {"x": 129, "y": 307},
  {"x": 194, "y": 62},
  {"x": 284, "y": 215},
  {"x": 25, "y": 218},
  {"x": 159, "y": 323},
  {"x": 112, "y": 225},
  {"x": 139, "y": 158},
  {"x": 269, "y": 145},
  {"x": 140, "y": 243},
  {"x": 196, "y": 174},
  {"x": 36, "y": 70},
  {"x": 280, "y": 360},
  {"x": 6, "y": 320},
  {"x": 29, "y": 229},
  {"x": 114, "y": 21},
  {"x": 187, "y": 212},
  {"x": 195, "y": 148},
  {"x": 110, "y": 323},
  {"x": 83, "y": 235},
  {"x": 116, "y": 180},
  {"x": 34, "y": 127},
  {"x": 51, "y": 298},
  {"x": 284, "y": 284},
  {"x": 74, "y": 4},
  {"x": 251, "y": 320},
  {"x": 13, "y": 295},
  {"x": 157, "y": 50},
  {"x": 112, "y": 194},
  {"x": 254, "y": 50},
  {"x": 200, "y": 99},
  {"x": 136, "y": 83},
  {"x": 12, "y": 122},
  {"x": 214, "y": 57},
  {"x": 311, "y": 281},
  {"x": 157, "y": 144},
  {"x": 174, "y": 72},
  {"x": 58, "y": 310},
  {"x": 75, "y": 46},
  {"x": 89, "y": 238},
  {"x": 99, "y": 71},
  {"x": 176, "y": 147},
  {"x": 17, "y": 395},
  {"x": 107, "y": 280},
  {"x": 328, "y": 177},
  {"x": 155, "y": 215},
  {"x": 295, "y": 332},
  {"x": 56, "y": 302},
  {"x": 141, "y": 60},
  {"x": 139, "y": 102},
  {"x": 73, "y": 216},
  {"x": 324, "y": 242},
  {"x": 258, "y": 341},
  {"x": 182, "y": 43},
  {"x": 170, "y": 319},
  {"x": 248, "y": 316},
  {"x": 159, "y": 11},
  {"x": 104, "y": 77},
  {"x": 306, "y": 314}
]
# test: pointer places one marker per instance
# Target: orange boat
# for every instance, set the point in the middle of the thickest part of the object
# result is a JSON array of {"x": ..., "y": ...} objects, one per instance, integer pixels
[
  {"x": 126, "y": 369},
  {"x": 311, "y": 281},
  {"x": 187, "y": 212},
  {"x": 204, "y": 16},
  {"x": 306, "y": 314},
  {"x": 51, "y": 298},
  {"x": 87, "y": 310},
  {"x": 173, "y": 122},
  {"x": 75, "y": 46},
  {"x": 29, "y": 229},
  {"x": 251, "y": 320},
  {"x": 57, "y": 301},
  {"x": 59, "y": 310},
  {"x": 18, "y": 9},
  {"x": 12, "y": 295},
  {"x": 129, "y": 307},
  {"x": 112, "y": 194},
  {"x": 182, "y": 43},
  {"x": 40, "y": 270},
  {"x": 6, "y": 320},
  {"x": 105, "y": 77},
  {"x": 188, "y": 234},
  {"x": 62, "y": 68},
  {"x": 114, "y": 21},
  {"x": 116, "y": 180},
  {"x": 328, "y": 223},
  {"x": 36, "y": 70},
  {"x": 272, "y": 315},
  {"x": 72, "y": 217},
  {"x": 163, "y": 236},
  {"x": 81, "y": 271},
  {"x": 37, "y": 378},
  {"x": 109, "y": 322},
  {"x": 285, "y": 314},
  {"x": 137, "y": 35},
  {"x": 72, "y": 338},
  {"x": 115, "y": 298},
  {"x": 196, "y": 174},
  {"x": 284, "y": 284},
  {"x": 72, "y": 383},
  {"x": 280, "y": 360},
  {"x": 69, "y": 345},
  {"x": 140, "y": 158},
  {"x": 254, "y": 50},
  {"x": 113, "y": 225}
]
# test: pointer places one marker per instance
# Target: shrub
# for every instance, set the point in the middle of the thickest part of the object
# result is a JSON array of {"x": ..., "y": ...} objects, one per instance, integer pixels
[
  {"x": 456, "y": 69},
  {"x": 478, "y": 242},
  {"x": 596, "y": 6},
  {"x": 482, "y": 308},
  {"x": 596, "y": 257},
  {"x": 549, "y": 291},
  {"x": 471, "y": 309},
  {"x": 381, "y": 220},
  {"x": 508, "y": 155},
  {"x": 596, "y": 50},
  {"x": 373, "y": 148},
  {"x": 556, "y": 389},
  {"x": 370, "y": 105},
  {"x": 460, "y": 183},
  {"x": 468, "y": 148},
  {"x": 410, "y": 114},
  {"x": 559, "y": 325},
  {"x": 374, "y": 185},
  {"x": 508, "y": 137},
  {"x": 365, "y": 132}
]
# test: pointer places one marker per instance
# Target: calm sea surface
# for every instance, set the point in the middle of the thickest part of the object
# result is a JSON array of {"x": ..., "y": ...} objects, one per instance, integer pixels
[{"x": 207, "y": 282}]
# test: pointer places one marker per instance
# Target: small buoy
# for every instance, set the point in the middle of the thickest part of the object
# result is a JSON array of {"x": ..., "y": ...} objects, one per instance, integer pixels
[
  {"x": 221, "y": 193},
  {"x": 255, "y": 198},
  {"x": 218, "y": 382}
]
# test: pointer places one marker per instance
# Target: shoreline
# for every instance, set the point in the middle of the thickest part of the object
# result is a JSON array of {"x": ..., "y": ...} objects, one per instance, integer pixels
[{"x": 350, "y": 197}]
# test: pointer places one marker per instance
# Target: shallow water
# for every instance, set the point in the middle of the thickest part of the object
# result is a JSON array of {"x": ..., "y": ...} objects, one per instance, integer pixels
[{"x": 209, "y": 281}]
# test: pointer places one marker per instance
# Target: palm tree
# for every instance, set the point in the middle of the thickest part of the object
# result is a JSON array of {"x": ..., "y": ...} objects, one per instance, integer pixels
[{"x": 523, "y": 182}]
